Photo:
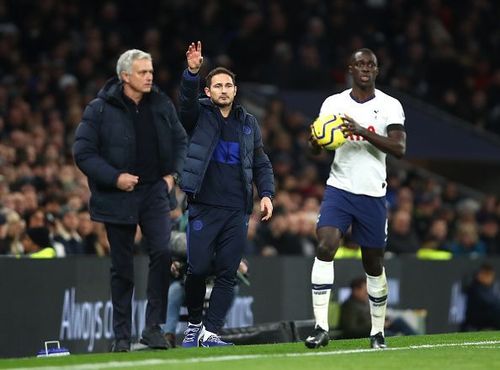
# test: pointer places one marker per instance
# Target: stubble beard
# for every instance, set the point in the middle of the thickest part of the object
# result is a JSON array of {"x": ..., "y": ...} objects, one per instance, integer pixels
[{"x": 222, "y": 105}]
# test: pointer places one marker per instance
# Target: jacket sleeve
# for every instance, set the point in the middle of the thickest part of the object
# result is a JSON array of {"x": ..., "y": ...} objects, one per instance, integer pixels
[
  {"x": 262, "y": 169},
  {"x": 86, "y": 150},
  {"x": 179, "y": 139},
  {"x": 189, "y": 106}
]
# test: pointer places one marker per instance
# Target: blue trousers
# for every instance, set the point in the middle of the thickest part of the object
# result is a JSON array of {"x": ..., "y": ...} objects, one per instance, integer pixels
[
  {"x": 154, "y": 221},
  {"x": 216, "y": 240}
]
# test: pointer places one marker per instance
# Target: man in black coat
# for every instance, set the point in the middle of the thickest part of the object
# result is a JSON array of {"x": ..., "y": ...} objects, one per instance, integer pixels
[{"x": 131, "y": 146}]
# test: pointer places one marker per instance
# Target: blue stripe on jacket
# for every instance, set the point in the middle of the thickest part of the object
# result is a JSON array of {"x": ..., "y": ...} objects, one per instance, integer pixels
[{"x": 227, "y": 152}]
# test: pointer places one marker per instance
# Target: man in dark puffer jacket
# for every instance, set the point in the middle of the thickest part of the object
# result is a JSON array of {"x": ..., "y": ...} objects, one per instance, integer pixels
[
  {"x": 132, "y": 147},
  {"x": 225, "y": 157}
]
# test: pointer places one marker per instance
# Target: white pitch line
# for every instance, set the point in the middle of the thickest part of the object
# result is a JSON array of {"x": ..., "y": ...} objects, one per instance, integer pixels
[{"x": 123, "y": 364}]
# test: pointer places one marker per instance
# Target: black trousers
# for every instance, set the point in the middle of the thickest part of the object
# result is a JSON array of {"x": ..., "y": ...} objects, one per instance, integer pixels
[{"x": 154, "y": 221}]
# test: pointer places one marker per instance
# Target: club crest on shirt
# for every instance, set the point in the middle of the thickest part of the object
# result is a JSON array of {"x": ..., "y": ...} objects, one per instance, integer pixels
[
  {"x": 197, "y": 225},
  {"x": 247, "y": 130}
]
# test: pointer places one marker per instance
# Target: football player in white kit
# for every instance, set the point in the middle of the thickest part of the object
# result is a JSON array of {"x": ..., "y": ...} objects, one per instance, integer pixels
[{"x": 355, "y": 191}]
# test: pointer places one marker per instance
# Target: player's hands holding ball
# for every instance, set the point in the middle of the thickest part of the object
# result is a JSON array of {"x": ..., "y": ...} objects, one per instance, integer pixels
[
  {"x": 351, "y": 127},
  {"x": 313, "y": 142},
  {"x": 194, "y": 57}
]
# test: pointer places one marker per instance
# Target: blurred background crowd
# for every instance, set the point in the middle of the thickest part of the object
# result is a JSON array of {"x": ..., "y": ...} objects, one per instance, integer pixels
[{"x": 56, "y": 54}]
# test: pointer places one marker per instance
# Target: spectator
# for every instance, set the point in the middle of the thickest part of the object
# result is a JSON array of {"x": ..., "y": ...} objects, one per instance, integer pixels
[
  {"x": 467, "y": 241},
  {"x": 36, "y": 243},
  {"x": 10, "y": 233},
  {"x": 36, "y": 218},
  {"x": 277, "y": 237},
  {"x": 402, "y": 238},
  {"x": 86, "y": 230},
  {"x": 66, "y": 233},
  {"x": 52, "y": 223},
  {"x": 436, "y": 244},
  {"x": 355, "y": 319},
  {"x": 176, "y": 293},
  {"x": 489, "y": 234},
  {"x": 451, "y": 194},
  {"x": 405, "y": 199},
  {"x": 483, "y": 303},
  {"x": 425, "y": 211}
]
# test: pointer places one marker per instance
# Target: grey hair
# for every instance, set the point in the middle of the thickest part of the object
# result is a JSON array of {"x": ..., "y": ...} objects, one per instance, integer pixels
[{"x": 125, "y": 60}]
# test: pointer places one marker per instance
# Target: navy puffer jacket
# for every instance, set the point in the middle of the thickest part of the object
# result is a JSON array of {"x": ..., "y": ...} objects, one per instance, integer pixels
[
  {"x": 200, "y": 119},
  {"x": 104, "y": 148}
]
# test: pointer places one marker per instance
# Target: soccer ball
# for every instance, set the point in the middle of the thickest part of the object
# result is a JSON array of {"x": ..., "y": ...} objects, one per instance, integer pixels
[{"x": 327, "y": 131}]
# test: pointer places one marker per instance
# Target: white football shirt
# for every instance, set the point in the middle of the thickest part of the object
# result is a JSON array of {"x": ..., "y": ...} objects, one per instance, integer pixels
[{"x": 359, "y": 167}]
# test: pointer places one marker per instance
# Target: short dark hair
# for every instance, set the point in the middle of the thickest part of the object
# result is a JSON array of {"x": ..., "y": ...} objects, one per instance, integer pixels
[
  {"x": 364, "y": 51},
  {"x": 486, "y": 267},
  {"x": 40, "y": 236},
  {"x": 218, "y": 71}
]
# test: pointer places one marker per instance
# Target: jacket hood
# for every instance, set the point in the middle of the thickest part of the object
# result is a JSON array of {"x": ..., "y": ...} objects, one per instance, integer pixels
[{"x": 112, "y": 91}]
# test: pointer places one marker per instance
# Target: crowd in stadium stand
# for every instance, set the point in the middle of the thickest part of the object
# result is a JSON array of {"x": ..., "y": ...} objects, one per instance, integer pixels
[{"x": 55, "y": 54}]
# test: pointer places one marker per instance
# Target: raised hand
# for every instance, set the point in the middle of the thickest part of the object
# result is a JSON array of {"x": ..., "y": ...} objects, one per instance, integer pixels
[{"x": 194, "y": 57}]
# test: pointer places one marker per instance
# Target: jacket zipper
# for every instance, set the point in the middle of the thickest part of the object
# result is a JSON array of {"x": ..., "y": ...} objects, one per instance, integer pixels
[
  {"x": 208, "y": 162},
  {"x": 242, "y": 164}
]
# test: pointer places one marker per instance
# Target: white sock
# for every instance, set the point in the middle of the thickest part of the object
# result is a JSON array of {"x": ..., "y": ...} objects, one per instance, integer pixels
[
  {"x": 207, "y": 335},
  {"x": 377, "y": 292},
  {"x": 322, "y": 282}
]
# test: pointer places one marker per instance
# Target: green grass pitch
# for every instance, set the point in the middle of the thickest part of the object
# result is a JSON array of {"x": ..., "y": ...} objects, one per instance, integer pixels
[{"x": 480, "y": 350}]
